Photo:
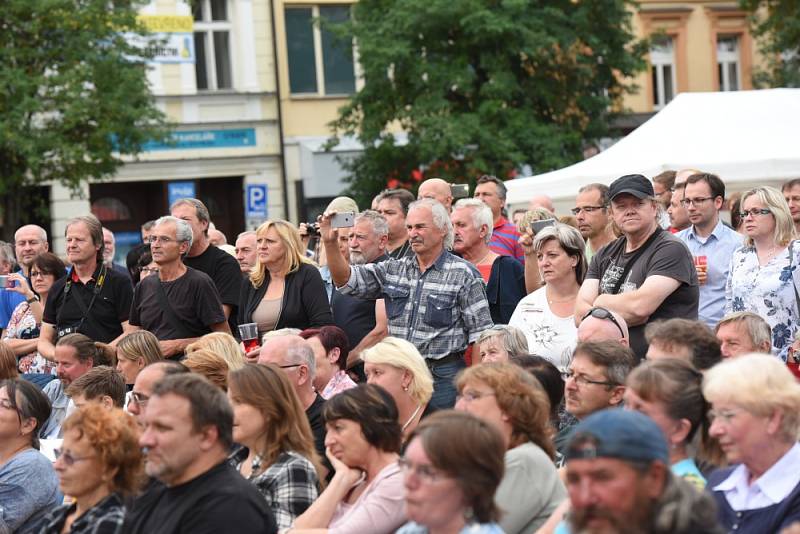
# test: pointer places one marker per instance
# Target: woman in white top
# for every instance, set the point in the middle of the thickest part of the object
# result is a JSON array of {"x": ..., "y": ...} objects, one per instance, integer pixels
[{"x": 546, "y": 315}]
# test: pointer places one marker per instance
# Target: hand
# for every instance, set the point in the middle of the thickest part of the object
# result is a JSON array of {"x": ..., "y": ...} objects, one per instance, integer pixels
[
  {"x": 526, "y": 242},
  {"x": 794, "y": 528},
  {"x": 351, "y": 475},
  {"x": 252, "y": 356},
  {"x": 171, "y": 347},
  {"x": 21, "y": 286},
  {"x": 328, "y": 234},
  {"x": 702, "y": 275}
]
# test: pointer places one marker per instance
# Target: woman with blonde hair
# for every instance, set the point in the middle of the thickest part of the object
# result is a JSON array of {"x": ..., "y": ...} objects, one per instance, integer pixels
[
  {"x": 285, "y": 289},
  {"x": 279, "y": 457},
  {"x": 765, "y": 272},
  {"x": 136, "y": 351},
  {"x": 510, "y": 399},
  {"x": 222, "y": 344},
  {"x": 210, "y": 365},
  {"x": 755, "y": 417},
  {"x": 397, "y": 366}
]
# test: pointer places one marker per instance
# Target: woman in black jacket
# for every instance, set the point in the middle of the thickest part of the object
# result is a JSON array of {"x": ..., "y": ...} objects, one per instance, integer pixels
[{"x": 285, "y": 289}]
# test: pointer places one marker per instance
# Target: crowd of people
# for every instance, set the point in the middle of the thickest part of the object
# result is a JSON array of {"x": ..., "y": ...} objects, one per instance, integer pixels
[{"x": 422, "y": 366}]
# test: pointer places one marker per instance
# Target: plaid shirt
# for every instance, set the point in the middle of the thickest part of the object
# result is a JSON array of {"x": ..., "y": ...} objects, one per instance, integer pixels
[
  {"x": 440, "y": 311},
  {"x": 105, "y": 517},
  {"x": 289, "y": 485}
]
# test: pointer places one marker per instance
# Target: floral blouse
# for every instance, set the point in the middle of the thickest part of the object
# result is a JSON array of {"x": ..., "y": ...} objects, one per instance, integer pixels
[
  {"x": 767, "y": 291},
  {"x": 22, "y": 325}
]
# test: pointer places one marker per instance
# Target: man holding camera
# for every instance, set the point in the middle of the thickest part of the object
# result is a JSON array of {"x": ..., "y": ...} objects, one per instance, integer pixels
[
  {"x": 92, "y": 299},
  {"x": 435, "y": 300}
]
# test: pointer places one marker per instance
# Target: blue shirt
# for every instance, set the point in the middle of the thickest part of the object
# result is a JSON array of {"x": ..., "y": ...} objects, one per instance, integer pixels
[
  {"x": 718, "y": 248},
  {"x": 8, "y": 301}
]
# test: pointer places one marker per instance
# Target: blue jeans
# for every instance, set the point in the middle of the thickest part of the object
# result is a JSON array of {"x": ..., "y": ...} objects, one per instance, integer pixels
[{"x": 444, "y": 387}]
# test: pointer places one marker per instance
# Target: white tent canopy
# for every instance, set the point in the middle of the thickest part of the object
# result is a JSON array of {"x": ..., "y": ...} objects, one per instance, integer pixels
[{"x": 745, "y": 137}]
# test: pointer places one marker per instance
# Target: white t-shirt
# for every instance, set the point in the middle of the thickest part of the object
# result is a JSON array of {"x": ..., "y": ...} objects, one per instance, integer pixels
[{"x": 549, "y": 336}]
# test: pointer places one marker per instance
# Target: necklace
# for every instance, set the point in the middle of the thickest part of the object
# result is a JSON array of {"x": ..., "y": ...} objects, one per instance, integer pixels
[
  {"x": 480, "y": 262},
  {"x": 413, "y": 415},
  {"x": 553, "y": 301}
]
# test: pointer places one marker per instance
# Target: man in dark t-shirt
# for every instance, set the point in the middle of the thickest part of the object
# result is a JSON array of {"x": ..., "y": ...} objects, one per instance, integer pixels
[
  {"x": 188, "y": 434},
  {"x": 203, "y": 256},
  {"x": 179, "y": 304},
  {"x": 645, "y": 275}
]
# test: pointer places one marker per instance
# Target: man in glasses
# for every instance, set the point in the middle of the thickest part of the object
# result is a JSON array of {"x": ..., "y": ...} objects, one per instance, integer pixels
[
  {"x": 594, "y": 221},
  {"x": 711, "y": 242},
  {"x": 645, "y": 275},
  {"x": 146, "y": 381},
  {"x": 295, "y": 356},
  {"x": 595, "y": 380},
  {"x": 600, "y": 324},
  {"x": 181, "y": 304}
]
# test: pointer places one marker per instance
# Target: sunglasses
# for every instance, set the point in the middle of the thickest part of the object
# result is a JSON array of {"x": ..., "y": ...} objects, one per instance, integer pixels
[{"x": 604, "y": 314}]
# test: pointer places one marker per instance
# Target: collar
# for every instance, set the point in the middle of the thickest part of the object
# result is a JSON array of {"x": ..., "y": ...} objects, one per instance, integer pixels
[
  {"x": 500, "y": 222},
  {"x": 776, "y": 483},
  {"x": 74, "y": 275},
  {"x": 716, "y": 232}
]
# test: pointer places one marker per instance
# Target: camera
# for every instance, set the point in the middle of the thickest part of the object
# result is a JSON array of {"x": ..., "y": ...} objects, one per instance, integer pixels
[{"x": 312, "y": 229}]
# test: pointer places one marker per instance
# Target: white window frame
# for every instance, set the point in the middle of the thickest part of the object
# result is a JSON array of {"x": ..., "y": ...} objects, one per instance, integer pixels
[
  {"x": 726, "y": 58},
  {"x": 319, "y": 65},
  {"x": 207, "y": 27},
  {"x": 663, "y": 56}
]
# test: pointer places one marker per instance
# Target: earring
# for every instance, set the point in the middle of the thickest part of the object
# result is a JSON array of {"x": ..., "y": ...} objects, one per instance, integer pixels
[{"x": 405, "y": 388}]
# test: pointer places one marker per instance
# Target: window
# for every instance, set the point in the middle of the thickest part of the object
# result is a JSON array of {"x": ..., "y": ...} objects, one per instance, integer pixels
[
  {"x": 662, "y": 71},
  {"x": 728, "y": 62},
  {"x": 320, "y": 63},
  {"x": 212, "y": 45}
]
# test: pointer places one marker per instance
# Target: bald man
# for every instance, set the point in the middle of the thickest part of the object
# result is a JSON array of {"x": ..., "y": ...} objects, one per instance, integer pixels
[
  {"x": 542, "y": 201},
  {"x": 437, "y": 189},
  {"x": 601, "y": 324}
]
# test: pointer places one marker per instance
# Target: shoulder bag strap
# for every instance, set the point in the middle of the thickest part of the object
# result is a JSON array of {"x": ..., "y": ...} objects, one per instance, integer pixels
[
  {"x": 794, "y": 285},
  {"x": 633, "y": 259},
  {"x": 183, "y": 332}
]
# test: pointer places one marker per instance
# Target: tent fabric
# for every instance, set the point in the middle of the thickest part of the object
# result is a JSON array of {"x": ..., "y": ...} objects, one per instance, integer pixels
[{"x": 747, "y": 138}]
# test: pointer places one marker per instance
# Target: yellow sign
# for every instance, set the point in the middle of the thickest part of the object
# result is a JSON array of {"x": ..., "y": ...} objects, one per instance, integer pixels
[{"x": 168, "y": 23}]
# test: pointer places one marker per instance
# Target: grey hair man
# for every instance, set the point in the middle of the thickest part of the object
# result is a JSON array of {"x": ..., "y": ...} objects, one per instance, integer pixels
[
  {"x": 295, "y": 356},
  {"x": 110, "y": 249},
  {"x": 363, "y": 320},
  {"x": 203, "y": 256},
  {"x": 434, "y": 299},
  {"x": 92, "y": 299},
  {"x": 181, "y": 304},
  {"x": 647, "y": 273},
  {"x": 246, "y": 251},
  {"x": 505, "y": 284},
  {"x": 741, "y": 333}
]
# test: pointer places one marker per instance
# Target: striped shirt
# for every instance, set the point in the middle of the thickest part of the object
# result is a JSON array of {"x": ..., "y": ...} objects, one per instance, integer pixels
[
  {"x": 440, "y": 311},
  {"x": 505, "y": 240}
]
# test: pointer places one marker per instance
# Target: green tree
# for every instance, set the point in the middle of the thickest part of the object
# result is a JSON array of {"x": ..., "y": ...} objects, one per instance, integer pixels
[
  {"x": 482, "y": 86},
  {"x": 73, "y": 96},
  {"x": 776, "y": 25}
]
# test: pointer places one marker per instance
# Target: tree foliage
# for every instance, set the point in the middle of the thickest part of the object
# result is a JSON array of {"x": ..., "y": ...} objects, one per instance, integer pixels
[
  {"x": 73, "y": 94},
  {"x": 482, "y": 86},
  {"x": 776, "y": 25}
]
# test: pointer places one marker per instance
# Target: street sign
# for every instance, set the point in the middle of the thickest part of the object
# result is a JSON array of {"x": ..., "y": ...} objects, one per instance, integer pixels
[
  {"x": 178, "y": 190},
  {"x": 256, "y": 201}
]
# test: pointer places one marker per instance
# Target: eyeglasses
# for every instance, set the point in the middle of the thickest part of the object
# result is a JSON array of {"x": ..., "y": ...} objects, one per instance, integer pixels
[
  {"x": 36, "y": 274},
  {"x": 725, "y": 416},
  {"x": 587, "y": 209},
  {"x": 139, "y": 398},
  {"x": 699, "y": 201},
  {"x": 68, "y": 458},
  {"x": 6, "y": 405},
  {"x": 604, "y": 314},
  {"x": 582, "y": 380},
  {"x": 754, "y": 212},
  {"x": 426, "y": 473},
  {"x": 161, "y": 239},
  {"x": 289, "y": 366},
  {"x": 470, "y": 395}
]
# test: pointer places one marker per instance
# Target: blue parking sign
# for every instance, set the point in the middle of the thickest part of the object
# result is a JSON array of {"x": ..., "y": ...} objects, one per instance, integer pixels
[{"x": 256, "y": 200}]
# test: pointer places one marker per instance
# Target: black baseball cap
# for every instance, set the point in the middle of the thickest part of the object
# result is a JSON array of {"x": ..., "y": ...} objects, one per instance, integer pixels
[{"x": 633, "y": 184}]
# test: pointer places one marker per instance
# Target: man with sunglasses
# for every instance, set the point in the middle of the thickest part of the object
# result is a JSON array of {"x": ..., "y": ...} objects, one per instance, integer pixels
[
  {"x": 645, "y": 275},
  {"x": 600, "y": 324},
  {"x": 711, "y": 242}
]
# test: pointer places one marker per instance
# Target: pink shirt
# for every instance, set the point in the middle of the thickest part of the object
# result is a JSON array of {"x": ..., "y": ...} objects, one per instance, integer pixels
[
  {"x": 339, "y": 382},
  {"x": 380, "y": 509}
]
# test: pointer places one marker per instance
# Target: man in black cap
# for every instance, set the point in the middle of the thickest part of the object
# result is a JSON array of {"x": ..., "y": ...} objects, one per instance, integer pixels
[
  {"x": 646, "y": 274},
  {"x": 619, "y": 480}
]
